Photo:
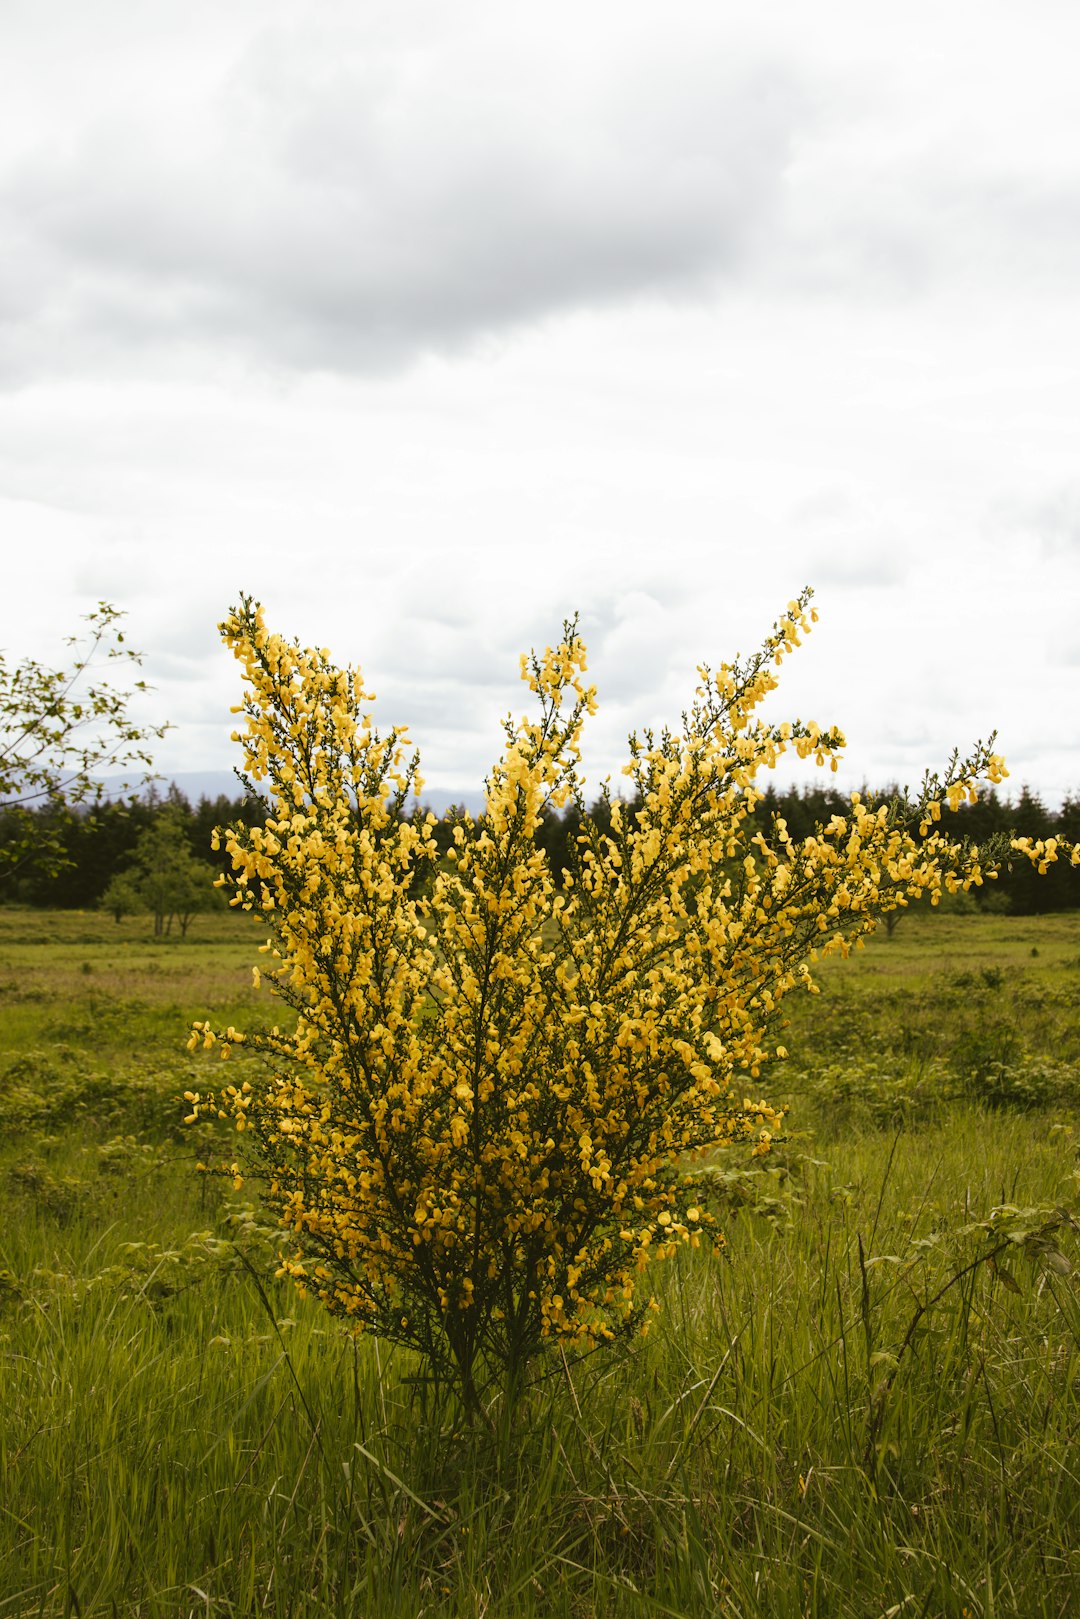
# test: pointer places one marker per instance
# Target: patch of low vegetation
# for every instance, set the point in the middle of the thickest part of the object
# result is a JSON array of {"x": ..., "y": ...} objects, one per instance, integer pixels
[
  {"x": 75, "y": 984},
  {"x": 973, "y": 1009}
]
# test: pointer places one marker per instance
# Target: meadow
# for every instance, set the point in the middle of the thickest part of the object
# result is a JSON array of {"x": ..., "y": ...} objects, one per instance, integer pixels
[{"x": 868, "y": 1406}]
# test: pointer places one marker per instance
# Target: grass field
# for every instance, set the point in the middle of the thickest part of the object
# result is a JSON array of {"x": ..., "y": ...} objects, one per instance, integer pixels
[{"x": 871, "y": 1407}]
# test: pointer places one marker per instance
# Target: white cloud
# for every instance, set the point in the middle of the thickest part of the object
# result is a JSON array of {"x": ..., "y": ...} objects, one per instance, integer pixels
[
  {"x": 430, "y": 325},
  {"x": 1050, "y": 518},
  {"x": 348, "y": 197},
  {"x": 848, "y": 543},
  {"x": 350, "y": 188}
]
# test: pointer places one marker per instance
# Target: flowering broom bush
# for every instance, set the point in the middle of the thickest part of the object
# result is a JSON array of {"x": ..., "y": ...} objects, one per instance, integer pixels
[{"x": 482, "y": 1128}]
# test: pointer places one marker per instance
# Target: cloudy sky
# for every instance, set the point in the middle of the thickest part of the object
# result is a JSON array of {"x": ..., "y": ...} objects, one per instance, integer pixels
[{"x": 431, "y": 324}]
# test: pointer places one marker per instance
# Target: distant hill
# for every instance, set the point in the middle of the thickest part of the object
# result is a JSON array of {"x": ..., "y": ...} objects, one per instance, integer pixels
[{"x": 196, "y": 784}]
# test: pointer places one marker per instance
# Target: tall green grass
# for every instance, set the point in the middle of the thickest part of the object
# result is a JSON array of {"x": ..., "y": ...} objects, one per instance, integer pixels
[
  {"x": 850, "y": 1413},
  {"x": 868, "y": 1406}
]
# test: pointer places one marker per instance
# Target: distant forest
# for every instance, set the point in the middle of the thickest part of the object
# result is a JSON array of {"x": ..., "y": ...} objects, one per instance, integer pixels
[{"x": 106, "y": 845}]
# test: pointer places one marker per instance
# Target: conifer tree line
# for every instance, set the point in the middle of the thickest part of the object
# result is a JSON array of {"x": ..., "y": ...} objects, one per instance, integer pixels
[{"x": 154, "y": 853}]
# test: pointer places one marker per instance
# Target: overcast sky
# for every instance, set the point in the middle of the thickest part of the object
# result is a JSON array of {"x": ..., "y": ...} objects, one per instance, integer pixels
[{"x": 431, "y": 324}]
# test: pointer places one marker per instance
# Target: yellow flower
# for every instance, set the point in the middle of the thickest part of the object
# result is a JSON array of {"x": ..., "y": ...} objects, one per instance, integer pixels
[{"x": 478, "y": 1128}]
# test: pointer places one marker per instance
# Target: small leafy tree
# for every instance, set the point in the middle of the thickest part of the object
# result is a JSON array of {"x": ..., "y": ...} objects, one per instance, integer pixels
[
  {"x": 122, "y": 897},
  {"x": 58, "y": 729},
  {"x": 482, "y": 1129},
  {"x": 167, "y": 877}
]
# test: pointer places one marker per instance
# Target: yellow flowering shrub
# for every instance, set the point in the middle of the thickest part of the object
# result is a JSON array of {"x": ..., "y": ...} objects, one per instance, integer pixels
[{"x": 478, "y": 1134}]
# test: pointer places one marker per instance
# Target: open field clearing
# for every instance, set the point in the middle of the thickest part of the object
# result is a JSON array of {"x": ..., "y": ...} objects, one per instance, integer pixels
[
  {"x": 68, "y": 977},
  {"x": 870, "y": 1406}
]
